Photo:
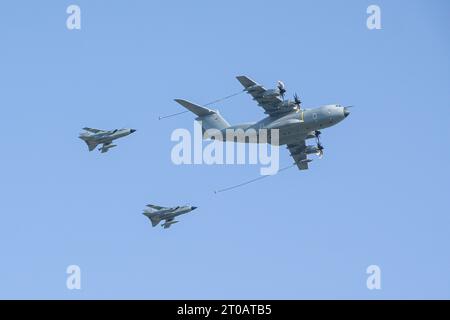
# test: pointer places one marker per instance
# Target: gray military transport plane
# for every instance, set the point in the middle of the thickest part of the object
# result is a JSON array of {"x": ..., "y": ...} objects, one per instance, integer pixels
[
  {"x": 94, "y": 137},
  {"x": 295, "y": 123},
  {"x": 156, "y": 214}
]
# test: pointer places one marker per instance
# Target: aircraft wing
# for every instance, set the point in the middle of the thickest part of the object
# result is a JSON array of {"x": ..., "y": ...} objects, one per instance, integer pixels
[
  {"x": 92, "y": 130},
  {"x": 269, "y": 102},
  {"x": 156, "y": 207},
  {"x": 297, "y": 152}
]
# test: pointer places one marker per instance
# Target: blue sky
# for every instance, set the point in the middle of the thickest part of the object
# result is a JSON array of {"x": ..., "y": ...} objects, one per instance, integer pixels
[{"x": 379, "y": 196}]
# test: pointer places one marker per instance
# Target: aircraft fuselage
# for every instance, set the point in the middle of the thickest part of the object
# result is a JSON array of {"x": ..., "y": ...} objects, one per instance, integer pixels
[{"x": 299, "y": 124}]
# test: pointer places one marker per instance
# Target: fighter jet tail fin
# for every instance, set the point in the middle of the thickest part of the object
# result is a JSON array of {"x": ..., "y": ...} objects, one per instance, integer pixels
[
  {"x": 154, "y": 218},
  {"x": 210, "y": 119},
  {"x": 91, "y": 145}
]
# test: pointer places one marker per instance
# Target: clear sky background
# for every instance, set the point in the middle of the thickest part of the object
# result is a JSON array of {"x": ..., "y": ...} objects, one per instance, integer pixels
[{"x": 380, "y": 195}]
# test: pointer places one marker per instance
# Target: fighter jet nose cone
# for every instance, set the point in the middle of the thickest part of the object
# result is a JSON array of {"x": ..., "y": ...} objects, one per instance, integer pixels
[
  {"x": 193, "y": 208},
  {"x": 132, "y": 130},
  {"x": 346, "y": 112}
]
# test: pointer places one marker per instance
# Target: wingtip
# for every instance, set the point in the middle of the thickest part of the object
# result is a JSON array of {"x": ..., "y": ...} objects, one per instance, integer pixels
[
  {"x": 246, "y": 81},
  {"x": 183, "y": 102}
]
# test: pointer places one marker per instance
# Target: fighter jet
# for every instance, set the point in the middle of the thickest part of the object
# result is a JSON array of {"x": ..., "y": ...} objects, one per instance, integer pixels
[
  {"x": 94, "y": 137},
  {"x": 295, "y": 123},
  {"x": 157, "y": 213}
]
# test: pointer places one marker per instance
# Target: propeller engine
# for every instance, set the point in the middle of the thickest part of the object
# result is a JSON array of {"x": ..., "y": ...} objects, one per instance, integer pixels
[
  {"x": 317, "y": 133},
  {"x": 297, "y": 101},
  {"x": 320, "y": 148},
  {"x": 281, "y": 89}
]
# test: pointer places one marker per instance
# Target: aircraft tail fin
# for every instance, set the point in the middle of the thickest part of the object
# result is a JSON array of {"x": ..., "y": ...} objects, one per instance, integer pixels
[
  {"x": 210, "y": 119},
  {"x": 91, "y": 144},
  {"x": 154, "y": 217}
]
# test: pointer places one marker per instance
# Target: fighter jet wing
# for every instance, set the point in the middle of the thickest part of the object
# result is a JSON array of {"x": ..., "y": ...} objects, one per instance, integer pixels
[
  {"x": 300, "y": 157},
  {"x": 269, "y": 102},
  {"x": 92, "y": 130},
  {"x": 155, "y": 207}
]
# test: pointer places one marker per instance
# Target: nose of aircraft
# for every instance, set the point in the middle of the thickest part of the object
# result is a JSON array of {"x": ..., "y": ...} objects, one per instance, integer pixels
[
  {"x": 132, "y": 130},
  {"x": 193, "y": 208},
  {"x": 346, "y": 112}
]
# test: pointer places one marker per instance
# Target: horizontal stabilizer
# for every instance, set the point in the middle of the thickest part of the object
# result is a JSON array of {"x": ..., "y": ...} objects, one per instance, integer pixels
[
  {"x": 210, "y": 119},
  {"x": 195, "y": 108}
]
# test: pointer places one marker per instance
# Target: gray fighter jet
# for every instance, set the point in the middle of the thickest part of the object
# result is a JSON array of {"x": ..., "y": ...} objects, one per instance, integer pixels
[
  {"x": 94, "y": 137},
  {"x": 295, "y": 123},
  {"x": 156, "y": 214}
]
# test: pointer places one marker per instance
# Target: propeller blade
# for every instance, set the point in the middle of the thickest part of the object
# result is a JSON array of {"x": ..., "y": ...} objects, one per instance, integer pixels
[
  {"x": 317, "y": 133},
  {"x": 297, "y": 101},
  {"x": 320, "y": 154},
  {"x": 319, "y": 150}
]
